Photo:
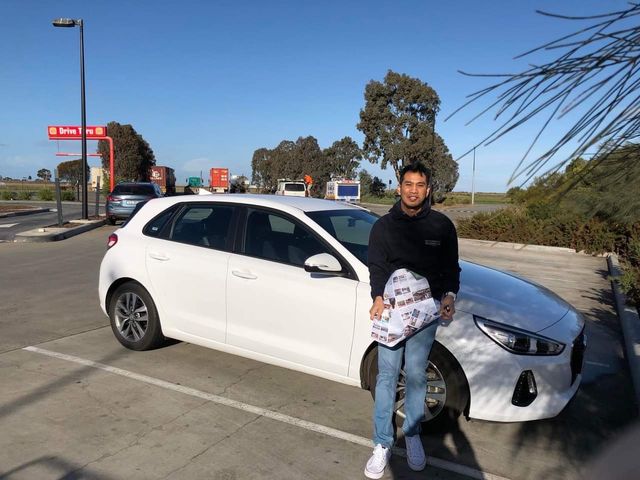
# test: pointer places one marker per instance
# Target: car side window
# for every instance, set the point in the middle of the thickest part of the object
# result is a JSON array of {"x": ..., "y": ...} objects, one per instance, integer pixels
[
  {"x": 156, "y": 226},
  {"x": 278, "y": 238},
  {"x": 204, "y": 226}
]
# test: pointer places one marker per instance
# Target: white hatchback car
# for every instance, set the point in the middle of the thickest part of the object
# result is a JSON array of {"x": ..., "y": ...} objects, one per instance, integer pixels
[{"x": 283, "y": 280}]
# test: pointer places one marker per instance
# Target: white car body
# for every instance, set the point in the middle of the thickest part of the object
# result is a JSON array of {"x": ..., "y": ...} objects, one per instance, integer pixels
[{"x": 319, "y": 324}]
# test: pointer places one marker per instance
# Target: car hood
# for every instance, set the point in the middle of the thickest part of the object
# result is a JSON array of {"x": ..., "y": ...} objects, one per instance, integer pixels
[{"x": 507, "y": 298}]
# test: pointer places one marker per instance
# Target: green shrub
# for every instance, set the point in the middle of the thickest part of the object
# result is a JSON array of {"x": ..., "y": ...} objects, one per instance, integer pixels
[
  {"x": 45, "y": 194},
  {"x": 384, "y": 200},
  {"x": 630, "y": 282},
  {"x": 453, "y": 199},
  {"x": 24, "y": 195},
  {"x": 8, "y": 195},
  {"x": 563, "y": 229},
  {"x": 68, "y": 196}
]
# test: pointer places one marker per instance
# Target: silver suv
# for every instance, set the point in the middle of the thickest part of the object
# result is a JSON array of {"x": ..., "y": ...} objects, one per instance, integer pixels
[{"x": 125, "y": 196}]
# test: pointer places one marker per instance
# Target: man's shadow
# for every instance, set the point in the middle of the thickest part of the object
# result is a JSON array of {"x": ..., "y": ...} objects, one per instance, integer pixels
[{"x": 449, "y": 454}]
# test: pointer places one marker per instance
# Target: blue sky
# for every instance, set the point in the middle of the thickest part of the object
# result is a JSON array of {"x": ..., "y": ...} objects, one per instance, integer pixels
[{"x": 208, "y": 82}]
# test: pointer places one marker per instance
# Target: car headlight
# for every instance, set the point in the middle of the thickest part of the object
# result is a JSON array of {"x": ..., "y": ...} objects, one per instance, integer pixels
[{"x": 518, "y": 341}]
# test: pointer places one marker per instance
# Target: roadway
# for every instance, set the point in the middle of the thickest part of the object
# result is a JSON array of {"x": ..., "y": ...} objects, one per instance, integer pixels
[
  {"x": 10, "y": 226},
  {"x": 99, "y": 411}
]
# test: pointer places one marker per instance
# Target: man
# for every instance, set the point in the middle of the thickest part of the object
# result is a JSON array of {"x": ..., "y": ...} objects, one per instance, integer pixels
[{"x": 414, "y": 237}]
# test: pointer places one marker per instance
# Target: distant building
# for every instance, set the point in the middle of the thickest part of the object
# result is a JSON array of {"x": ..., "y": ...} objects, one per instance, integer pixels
[{"x": 96, "y": 172}]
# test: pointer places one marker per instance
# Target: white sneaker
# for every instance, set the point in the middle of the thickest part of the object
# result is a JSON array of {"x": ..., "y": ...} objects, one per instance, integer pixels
[
  {"x": 377, "y": 463},
  {"x": 415, "y": 453}
]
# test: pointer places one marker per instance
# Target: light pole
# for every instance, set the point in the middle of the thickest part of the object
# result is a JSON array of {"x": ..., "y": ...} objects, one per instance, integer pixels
[
  {"x": 473, "y": 179},
  {"x": 70, "y": 23}
]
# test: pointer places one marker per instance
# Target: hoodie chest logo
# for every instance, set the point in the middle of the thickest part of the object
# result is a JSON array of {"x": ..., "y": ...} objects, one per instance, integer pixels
[{"x": 432, "y": 243}]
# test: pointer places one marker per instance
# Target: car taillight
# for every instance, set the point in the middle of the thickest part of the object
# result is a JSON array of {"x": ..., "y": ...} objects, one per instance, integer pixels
[
  {"x": 113, "y": 239},
  {"x": 109, "y": 198}
]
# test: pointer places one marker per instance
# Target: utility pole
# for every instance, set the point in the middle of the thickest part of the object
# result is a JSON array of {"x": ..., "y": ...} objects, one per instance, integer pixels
[{"x": 473, "y": 178}]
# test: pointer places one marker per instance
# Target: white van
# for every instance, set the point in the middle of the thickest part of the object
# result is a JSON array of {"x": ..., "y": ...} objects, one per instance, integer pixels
[{"x": 293, "y": 188}]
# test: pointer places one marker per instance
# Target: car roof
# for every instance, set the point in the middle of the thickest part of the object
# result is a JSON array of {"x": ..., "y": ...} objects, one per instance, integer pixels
[
  {"x": 304, "y": 204},
  {"x": 135, "y": 183}
]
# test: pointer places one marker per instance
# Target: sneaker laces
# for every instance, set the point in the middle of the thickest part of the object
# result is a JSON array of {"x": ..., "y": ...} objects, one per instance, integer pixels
[{"x": 379, "y": 457}]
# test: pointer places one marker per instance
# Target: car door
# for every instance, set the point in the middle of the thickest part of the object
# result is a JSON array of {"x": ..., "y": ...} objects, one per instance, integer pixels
[
  {"x": 278, "y": 309},
  {"x": 188, "y": 269}
]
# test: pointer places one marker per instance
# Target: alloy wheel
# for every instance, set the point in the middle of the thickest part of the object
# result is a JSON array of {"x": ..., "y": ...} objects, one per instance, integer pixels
[
  {"x": 436, "y": 393},
  {"x": 131, "y": 316}
]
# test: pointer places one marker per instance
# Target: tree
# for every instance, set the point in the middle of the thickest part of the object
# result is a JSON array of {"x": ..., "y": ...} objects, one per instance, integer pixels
[
  {"x": 71, "y": 171},
  {"x": 261, "y": 174},
  {"x": 44, "y": 174},
  {"x": 343, "y": 158},
  {"x": 377, "y": 187},
  {"x": 290, "y": 160},
  {"x": 133, "y": 155},
  {"x": 365, "y": 180},
  {"x": 398, "y": 122},
  {"x": 595, "y": 73}
]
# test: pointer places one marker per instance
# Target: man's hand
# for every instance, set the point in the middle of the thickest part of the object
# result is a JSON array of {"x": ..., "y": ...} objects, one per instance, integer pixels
[
  {"x": 447, "y": 308},
  {"x": 376, "y": 309}
]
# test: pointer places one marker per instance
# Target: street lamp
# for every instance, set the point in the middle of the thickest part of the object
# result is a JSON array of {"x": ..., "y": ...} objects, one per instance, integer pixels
[
  {"x": 473, "y": 179},
  {"x": 70, "y": 23}
]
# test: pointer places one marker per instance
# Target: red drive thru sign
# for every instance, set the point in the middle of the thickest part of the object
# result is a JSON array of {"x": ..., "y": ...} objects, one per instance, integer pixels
[{"x": 59, "y": 132}]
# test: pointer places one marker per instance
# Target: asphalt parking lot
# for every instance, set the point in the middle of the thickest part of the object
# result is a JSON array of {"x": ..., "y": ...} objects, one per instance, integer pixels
[{"x": 78, "y": 405}]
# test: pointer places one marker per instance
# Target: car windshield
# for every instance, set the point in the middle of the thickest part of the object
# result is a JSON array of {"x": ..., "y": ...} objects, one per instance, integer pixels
[
  {"x": 350, "y": 227},
  {"x": 294, "y": 187},
  {"x": 134, "y": 190}
]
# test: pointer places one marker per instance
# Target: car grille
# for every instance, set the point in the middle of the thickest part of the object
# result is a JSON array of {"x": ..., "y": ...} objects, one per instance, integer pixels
[{"x": 577, "y": 355}]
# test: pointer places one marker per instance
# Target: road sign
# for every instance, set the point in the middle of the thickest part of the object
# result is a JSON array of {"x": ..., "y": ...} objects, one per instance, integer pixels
[{"x": 59, "y": 132}]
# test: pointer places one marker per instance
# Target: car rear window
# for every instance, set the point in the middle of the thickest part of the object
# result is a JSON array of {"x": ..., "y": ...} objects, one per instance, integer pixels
[
  {"x": 134, "y": 190},
  {"x": 294, "y": 187}
]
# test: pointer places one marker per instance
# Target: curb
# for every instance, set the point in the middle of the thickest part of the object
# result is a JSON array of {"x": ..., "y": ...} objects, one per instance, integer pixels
[
  {"x": 19, "y": 213},
  {"x": 516, "y": 246},
  {"x": 630, "y": 323},
  {"x": 55, "y": 234}
]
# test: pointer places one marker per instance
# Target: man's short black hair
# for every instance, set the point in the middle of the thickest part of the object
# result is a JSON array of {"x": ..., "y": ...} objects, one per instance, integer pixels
[{"x": 416, "y": 167}]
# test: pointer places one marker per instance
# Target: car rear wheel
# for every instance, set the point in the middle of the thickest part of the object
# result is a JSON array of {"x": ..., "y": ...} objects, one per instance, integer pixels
[
  {"x": 111, "y": 220},
  {"x": 447, "y": 389},
  {"x": 134, "y": 318}
]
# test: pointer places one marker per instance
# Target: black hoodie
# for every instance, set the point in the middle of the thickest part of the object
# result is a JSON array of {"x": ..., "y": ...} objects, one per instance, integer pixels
[{"x": 425, "y": 243}]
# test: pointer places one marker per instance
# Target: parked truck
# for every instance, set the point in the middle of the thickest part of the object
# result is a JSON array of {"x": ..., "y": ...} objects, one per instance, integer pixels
[
  {"x": 343, "y": 190},
  {"x": 219, "y": 180},
  {"x": 165, "y": 178},
  {"x": 194, "y": 182}
]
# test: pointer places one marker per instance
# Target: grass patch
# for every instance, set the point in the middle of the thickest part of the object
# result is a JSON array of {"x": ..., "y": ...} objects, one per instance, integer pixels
[{"x": 464, "y": 198}]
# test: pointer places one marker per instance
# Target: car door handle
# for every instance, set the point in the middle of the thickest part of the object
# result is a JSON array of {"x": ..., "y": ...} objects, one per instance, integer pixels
[
  {"x": 158, "y": 256},
  {"x": 247, "y": 275}
]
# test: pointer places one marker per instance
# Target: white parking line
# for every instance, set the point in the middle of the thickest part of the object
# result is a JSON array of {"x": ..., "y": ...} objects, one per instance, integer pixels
[
  {"x": 597, "y": 364},
  {"x": 8, "y": 225},
  {"x": 296, "y": 422}
]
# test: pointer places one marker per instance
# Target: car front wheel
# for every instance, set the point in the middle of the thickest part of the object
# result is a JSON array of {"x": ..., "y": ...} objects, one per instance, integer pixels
[
  {"x": 447, "y": 389},
  {"x": 134, "y": 318}
]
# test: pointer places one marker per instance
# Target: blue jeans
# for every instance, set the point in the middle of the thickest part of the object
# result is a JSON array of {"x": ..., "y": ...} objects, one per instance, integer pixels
[{"x": 416, "y": 356}]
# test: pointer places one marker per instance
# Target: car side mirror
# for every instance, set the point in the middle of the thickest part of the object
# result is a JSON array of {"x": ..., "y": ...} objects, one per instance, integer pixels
[{"x": 322, "y": 263}]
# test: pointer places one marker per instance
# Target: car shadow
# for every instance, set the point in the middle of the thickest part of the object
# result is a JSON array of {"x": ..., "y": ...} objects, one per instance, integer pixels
[
  {"x": 47, "y": 389},
  {"x": 56, "y": 467}
]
